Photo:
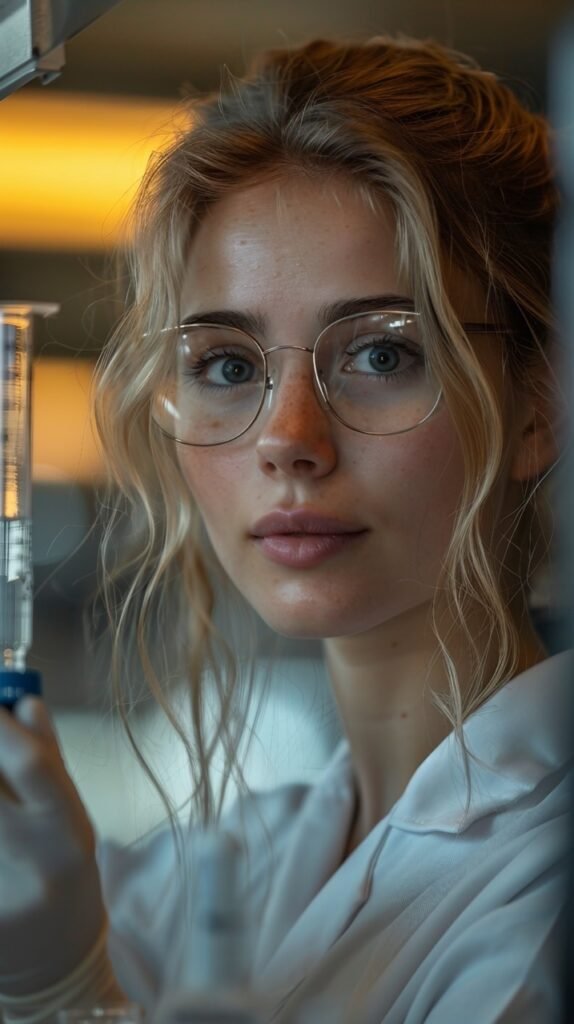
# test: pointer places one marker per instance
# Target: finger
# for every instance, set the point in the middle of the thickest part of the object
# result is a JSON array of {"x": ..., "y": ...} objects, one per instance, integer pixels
[
  {"x": 28, "y": 714},
  {"x": 33, "y": 713},
  {"x": 7, "y": 792},
  {"x": 29, "y": 719},
  {"x": 31, "y": 764}
]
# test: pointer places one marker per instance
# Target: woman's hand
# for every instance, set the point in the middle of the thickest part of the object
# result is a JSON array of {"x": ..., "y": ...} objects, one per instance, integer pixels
[{"x": 51, "y": 908}]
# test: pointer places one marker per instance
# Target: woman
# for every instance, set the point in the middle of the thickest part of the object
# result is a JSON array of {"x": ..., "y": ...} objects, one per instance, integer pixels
[{"x": 337, "y": 363}]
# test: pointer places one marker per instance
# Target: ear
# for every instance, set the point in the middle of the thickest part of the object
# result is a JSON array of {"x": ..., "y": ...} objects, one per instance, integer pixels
[{"x": 539, "y": 437}]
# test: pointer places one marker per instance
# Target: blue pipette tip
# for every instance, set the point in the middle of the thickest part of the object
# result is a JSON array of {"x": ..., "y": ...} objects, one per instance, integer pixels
[{"x": 14, "y": 685}]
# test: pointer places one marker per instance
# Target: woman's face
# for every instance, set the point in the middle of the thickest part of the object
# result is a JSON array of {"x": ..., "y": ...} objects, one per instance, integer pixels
[{"x": 280, "y": 252}]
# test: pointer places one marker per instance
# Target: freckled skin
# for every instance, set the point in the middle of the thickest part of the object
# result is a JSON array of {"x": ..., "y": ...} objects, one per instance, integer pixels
[{"x": 283, "y": 251}]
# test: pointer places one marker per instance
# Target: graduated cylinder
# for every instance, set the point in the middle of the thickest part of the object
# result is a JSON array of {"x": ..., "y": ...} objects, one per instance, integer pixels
[{"x": 16, "y": 350}]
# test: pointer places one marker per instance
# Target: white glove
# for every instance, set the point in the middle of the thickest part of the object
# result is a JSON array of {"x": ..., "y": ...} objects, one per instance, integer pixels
[{"x": 51, "y": 907}]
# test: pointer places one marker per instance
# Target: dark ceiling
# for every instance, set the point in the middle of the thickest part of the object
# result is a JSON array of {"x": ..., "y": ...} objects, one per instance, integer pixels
[
  {"x": 158, "y": 48},
  {"x": 151, "y": 47}
]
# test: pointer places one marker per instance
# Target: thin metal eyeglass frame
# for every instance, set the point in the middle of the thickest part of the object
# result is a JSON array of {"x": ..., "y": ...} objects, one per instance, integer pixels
[{"x": 471, "y": 327}]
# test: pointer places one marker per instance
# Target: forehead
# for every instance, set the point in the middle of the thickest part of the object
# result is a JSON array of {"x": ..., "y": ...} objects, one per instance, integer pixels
[
  {"x": 293, "y": 199},
  {"x": 302, "y": 241},
  {"x": 307, "y": 235}
]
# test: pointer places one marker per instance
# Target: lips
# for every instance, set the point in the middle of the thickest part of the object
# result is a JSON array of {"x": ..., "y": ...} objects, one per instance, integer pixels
[
  {"x": 301, "y": 522},
  {"x": 302, "y": 539}
]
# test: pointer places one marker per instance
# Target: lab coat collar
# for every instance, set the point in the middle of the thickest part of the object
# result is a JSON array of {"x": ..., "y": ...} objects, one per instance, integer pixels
[{"x": 522, "y": 734}]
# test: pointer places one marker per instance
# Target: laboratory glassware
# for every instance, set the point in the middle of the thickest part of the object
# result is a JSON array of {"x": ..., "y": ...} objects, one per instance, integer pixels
[{"x": 16, "y": 352}]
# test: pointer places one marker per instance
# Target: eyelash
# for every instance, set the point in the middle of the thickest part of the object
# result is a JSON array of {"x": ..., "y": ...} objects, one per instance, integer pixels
[
  {"x": 197, "y": 372},
  {"x": 206, "y": 360},
  {"x": 417, "y": 357}
]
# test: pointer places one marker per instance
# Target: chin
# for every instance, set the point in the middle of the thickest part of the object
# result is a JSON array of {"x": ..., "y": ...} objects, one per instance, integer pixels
[
  {"x": 302, "y": 631},
  {"x": 351, "y": 615},
  {"x": 315, "y": 625},
  {"x": 293, "y": 623}
]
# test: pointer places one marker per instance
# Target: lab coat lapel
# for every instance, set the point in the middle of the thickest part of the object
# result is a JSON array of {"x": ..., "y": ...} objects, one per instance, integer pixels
[
  {"x": 311, "y": 902},
  {"x": 332, "y": 914}
]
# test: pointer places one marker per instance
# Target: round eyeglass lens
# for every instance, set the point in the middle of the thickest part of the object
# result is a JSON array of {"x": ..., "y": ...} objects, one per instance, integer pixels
[
  {"x": 214, "y": 387},
  {"x": 372, "y": 371},
  {"x": 374, "y": 374}
]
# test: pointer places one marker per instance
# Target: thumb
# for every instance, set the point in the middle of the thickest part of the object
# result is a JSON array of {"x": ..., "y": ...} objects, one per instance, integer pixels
[{"x": 33, "y": 713}]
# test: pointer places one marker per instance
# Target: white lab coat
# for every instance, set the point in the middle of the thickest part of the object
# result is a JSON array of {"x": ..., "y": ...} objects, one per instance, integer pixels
[{"x": 438, "y": 916}]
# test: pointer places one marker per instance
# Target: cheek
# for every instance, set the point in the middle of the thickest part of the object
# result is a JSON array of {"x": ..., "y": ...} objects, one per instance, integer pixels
[
  {"x": 415, "y": 457},
  {"x": 214, "y": 480},
  {"x": 418, "y": 483}
]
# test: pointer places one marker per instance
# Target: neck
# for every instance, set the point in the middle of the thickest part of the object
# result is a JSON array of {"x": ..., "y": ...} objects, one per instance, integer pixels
[{"x": 382, "y": 684}]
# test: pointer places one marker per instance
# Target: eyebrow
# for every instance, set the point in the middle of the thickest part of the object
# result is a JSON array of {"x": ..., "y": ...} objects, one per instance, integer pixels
[{"x": 255, "y": 323}]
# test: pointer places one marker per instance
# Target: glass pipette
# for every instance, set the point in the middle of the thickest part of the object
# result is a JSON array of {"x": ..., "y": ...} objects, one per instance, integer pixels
[{"x": 16, "y": 350}]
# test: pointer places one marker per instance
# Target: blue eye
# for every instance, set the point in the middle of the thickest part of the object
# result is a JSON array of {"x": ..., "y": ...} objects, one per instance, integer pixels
[
  {"x": 232, "y": 368},
  {"x": 381, "y": 357},
  {"x": 219, "y": 369}
]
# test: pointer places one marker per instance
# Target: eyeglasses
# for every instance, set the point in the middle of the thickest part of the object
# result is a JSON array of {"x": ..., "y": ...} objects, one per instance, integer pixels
[{"x": 370, "y": 372}]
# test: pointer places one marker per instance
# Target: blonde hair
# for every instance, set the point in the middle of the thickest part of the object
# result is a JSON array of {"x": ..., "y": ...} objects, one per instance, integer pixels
[{"x": 466, "y": 168}]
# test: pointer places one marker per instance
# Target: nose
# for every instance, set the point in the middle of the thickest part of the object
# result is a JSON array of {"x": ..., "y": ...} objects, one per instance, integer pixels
[{"x": 296, "y": 432}]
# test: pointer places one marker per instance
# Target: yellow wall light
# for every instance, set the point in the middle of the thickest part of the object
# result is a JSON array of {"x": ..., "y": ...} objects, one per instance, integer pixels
[
  {"x": 70, "y": 165},
  {"x": 64, "y": 444}
]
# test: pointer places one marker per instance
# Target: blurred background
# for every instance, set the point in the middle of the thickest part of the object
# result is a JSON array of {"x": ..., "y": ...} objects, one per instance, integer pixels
[{"x": 71, "y": 155}]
